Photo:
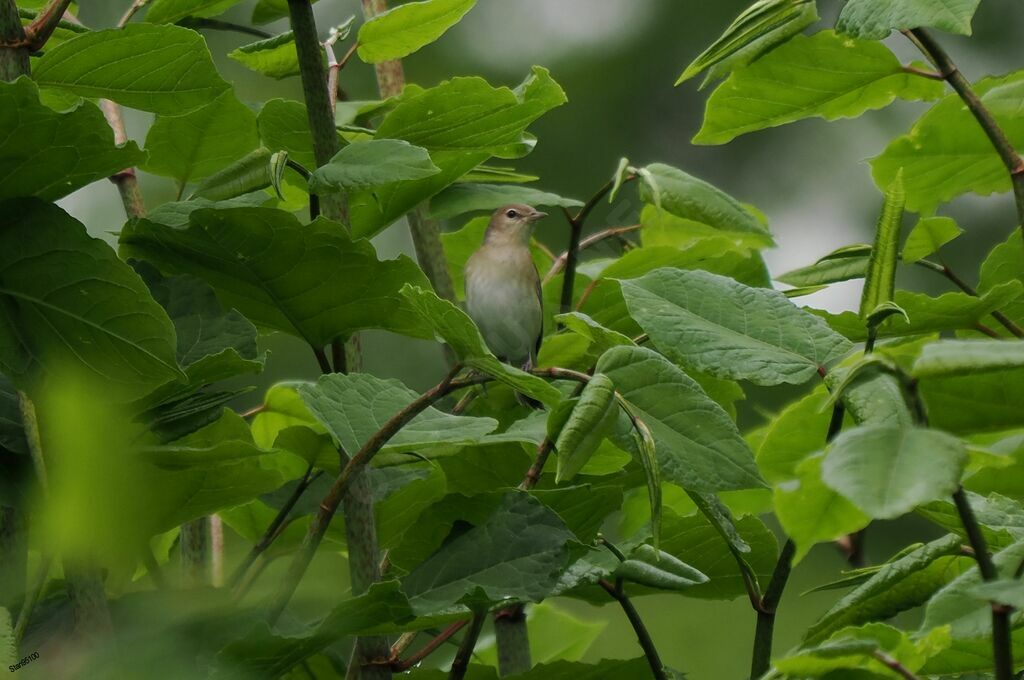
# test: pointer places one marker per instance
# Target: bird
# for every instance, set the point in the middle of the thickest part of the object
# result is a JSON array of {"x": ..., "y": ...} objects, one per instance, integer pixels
[{"x": 503, "y": 295}]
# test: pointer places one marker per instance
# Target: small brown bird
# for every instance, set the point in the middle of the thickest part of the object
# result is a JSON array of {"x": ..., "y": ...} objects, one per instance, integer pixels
[{"x": 503, "y": 288}]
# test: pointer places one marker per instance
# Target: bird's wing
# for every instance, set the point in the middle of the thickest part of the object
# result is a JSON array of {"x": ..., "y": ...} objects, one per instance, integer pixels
[{"x": 540, "y": 304}]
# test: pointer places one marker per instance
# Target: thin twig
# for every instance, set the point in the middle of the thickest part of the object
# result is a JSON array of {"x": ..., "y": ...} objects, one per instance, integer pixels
[
  {"x": 427, "y": 649},
  {"x": 461, "y": 662},
  {"x": 130, "y": 12},
  {"x": 219, "y": 25},
  {"x": 321, "y": 359},
  {"x": 642, "y": 635},
  {"x": 45, "y": 23},
  {"x": 126, "y": 182},
  {"x": 895, "y": 665},
  {"x": 931, "y": 75},
  {"x": 952, "y": 276},
  {"x": 1011, "y": 159},
  {"x": 559, "y": 263}
]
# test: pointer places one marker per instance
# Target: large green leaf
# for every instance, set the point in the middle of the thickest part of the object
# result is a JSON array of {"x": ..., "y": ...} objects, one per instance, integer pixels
[
  {"x": 593, "y": 416},
  {"x": 887, "y": 471},
  {"x": 810, "y": 512},
  {"x": 729, "y": 330},
  {"x": 899, "y": 585},
  {"x": 170, "y": 11},
  {"x": 794, "y": 434},
  {"x": 946, "y": 153},
  {"x": 275, "y": 57},
  {"x": 48, "y": 154},
  {"x": 758, "y": 29},
  {"x": 1005, "y": 263},
  {"x": 453, "y": 326},
  {"x": 198, "y": 144},
  {"x": 163, "y": 69},
  {"x": 964, "y": 357},
  {"x": 824, "y": 75},
  {"x": 1001, "y": 519},
  {"x": 312, "y": 281},
  {"x": 868, "y": 651},
  {"x": 68, "y": 303},
  {"x": 354, "y": 407},
  {"x": 372, "y": 164},
  {"x": 404, "y": 29},
  {"x": 880, "y": 277},
  {"x": 284, "y": 125},
  {"x": 693, "y": 199},
  {"x": 927, "y": 236},
  {"x": 471, "y": 197},
  {"x": 516, "y": 553},
  {"x": 461, "y": 123},
  {"x": 875, "y": 19},
  {"x": 697, "y": 444}
]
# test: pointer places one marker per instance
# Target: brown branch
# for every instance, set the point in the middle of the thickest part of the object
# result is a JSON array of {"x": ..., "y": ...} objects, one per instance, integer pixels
[
  {"x": 894, "y": 665},
  {"x": 931, "y": 75},
  {"x": 427, "y": 649},
  {"x": 945, "y": 270},
  {"x": 126, "y": 182},
  {"x": 130, "y": 12},
  {"x": 559, "y": 263},
  {"x": 45, "y": 23}
]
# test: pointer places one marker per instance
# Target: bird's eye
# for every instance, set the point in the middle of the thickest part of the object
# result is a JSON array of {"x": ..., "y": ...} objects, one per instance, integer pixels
[{"x": 511, "y": 213}]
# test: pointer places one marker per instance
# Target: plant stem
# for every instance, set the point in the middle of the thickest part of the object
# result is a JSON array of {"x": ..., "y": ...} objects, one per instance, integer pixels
[
  {"x": 461, "y": 663},
  {"x": 130, "y": 12},
  {"x": 427, "y": 649},
  {"x": 512, "y": 640},
  {"x": 533, "y": 474},
  {"x": 196, "y": 562},
  {"x": 895, "y": 665},
  {"x": 45, "y": 23},
  {"x": 13, "y": 49},
  {"x": 573, "y": 251},
  {"x": 643, "y": 636},
  {"x": 425, "y": 231},
  {"x": 218, "y": 25},
  {"x": 1011, "y": 159},
  {"x": 318, "y": 102},
  {"x": 946, "y": 271},
  {"x": 126, "y": 182},
  {"x": 765, "y": 630},
  {"x": 614, "y": 232}
]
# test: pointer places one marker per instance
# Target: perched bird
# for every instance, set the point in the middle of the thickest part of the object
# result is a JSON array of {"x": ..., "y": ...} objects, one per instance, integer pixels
[{"x": 503, "y": 288}]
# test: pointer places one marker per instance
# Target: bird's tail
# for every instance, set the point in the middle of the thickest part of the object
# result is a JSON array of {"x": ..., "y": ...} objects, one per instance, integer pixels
[{"x": 526, "y": 400}]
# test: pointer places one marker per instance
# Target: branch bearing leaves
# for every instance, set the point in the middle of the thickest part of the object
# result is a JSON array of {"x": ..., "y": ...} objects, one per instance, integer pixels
[
  {"x": 1004, "y": 263},
  {"x": 729, "y": 330},
  {"x": 354, "y": 407},
  {"x": 969, "y": 655},
  {"x": 372, "y": 163},
  {"x": 810, "y": 512},
  {"x": 48, "y": 154},
  {"x": 163, "y": 69},
  {"x": 824, "y": 75},
  {"x": 461, "y": 123},
  {"x": 284, "y": 124},
  {"x": 697, "y": 444},
  {"x": 757, "y": 30},
  {"x": 171, "y": 11},
  {"x": 875, "y": 19},
  {"x": 517, "y": 553},
  {"x": 68, "y": 302},
  {"x": 407, "y": 28},
  {"x": 454, "y": 327},
  {"x": 274, "y": 57},
  {"x": 465, "y": 197},
  {"x": 957, "y": 606},
  {"x": 1001, "y": 518},
  {"x": 947, "y": 358},
  {"x": 927, "y": 236},
  {"x": 592, "y": 418},
  {"x": 880, "y": 278},
  {"x": 683, "y": 195},
  {"x": 198, "y": 144},
  {"x": 946, "y": 153},
  {"x": 899, "y": 585},
  {"x": 312, "y": 281},
  {"x": 887, "y": 471}
]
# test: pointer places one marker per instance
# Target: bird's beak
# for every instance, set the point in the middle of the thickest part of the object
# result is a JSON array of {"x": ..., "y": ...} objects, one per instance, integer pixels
[{"x": 536, "y": 215}]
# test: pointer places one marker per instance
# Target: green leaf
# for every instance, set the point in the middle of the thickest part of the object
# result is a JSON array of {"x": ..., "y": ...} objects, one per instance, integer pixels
[
  {"x": 48, "y": 154},
  {"x": 887, "y": 471},
  {"x": 354, "y": 407},
  {"x": 462, "y": 198},
  {"x": 946, "y": 153},
  {"x": 758, "y": 29},
  {"x": 198, "y": 144},
  {"x": 810, "y": 512},
  {"x": 897, "y": 586},
  {"x": 697, "y": 444},
  {"x": 517, "y": 553},
  {"x": 880, "y": 278},
  {"x": 927, "y": 236},
  {"x": 658, "y": 569},
  {"x": 724, "y": 328},
  {"x": 794, "y": 434},
  {"x": 163, "y": 69},
  {"x": 851, "y": 652},
  {"x": 957, "y": 606},
  {"x": 949, "y": 311},
  {"x": 1005, "y": 263},
  {"x": 461, "y": 123},
  {"x": 583, "y": 508},
  {"x": 405, "y": 29},
  {"x": 848, "y": 262},
  {"x": 693, "y": 199},
  {"x": 1001, "y": 518},
  {"x": 371, "y": 164},
  {"x": 965, "y": 357},
  {"x": 1008, "y": 592},
  {"x": 67, "y": 302},
  {"x": 171, "y": 11},
  {"x": 312, "y": 281},
  {"x": 253, "y": 172},
  {"x": 591, "y": 419},
  {"x": 274, "y": 57},
  {"x": 848, "y": 77},
  {"x": 970, "y": 655},
  {"x": 875, "y": 19},
  {"x": 454, "y": 327},
  {"x": 283, "y": 124}
]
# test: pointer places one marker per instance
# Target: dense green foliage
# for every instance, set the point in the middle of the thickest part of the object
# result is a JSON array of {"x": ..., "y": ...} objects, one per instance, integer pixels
[{"x": 120, "y": 367}]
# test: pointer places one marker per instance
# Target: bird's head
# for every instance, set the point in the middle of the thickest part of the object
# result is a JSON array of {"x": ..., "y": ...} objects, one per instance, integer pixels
[{"x": 512, "y": 224}]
